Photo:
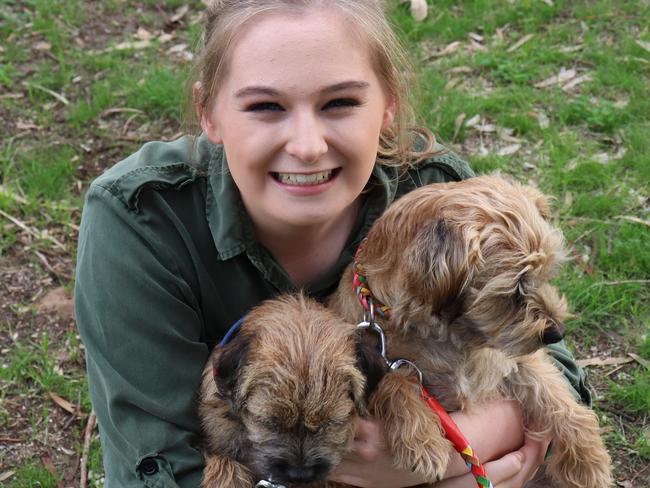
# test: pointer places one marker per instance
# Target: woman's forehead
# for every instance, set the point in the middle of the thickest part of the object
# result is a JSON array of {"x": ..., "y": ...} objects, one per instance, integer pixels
[{"x": 276, "y": 47}]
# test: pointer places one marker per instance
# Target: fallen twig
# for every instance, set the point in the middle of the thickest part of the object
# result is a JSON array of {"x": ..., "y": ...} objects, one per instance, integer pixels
[
  {"x": 520, "y": 43},
  {"x": 636, "y": 220},
  {"x": 34, "y": 232},
  {"x": 622, "y": 282},
  {"x": 56, "y": 95},
  {"x": 90, "y": 426}
]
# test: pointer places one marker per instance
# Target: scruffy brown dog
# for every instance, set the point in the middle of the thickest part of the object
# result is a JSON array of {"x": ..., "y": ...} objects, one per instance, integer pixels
[
  {"x": 465, "y": 269},
  {"x": 280, "y": 399}
]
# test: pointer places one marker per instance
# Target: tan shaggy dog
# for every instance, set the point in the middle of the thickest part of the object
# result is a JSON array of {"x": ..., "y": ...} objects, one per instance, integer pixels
[
  {"x": 465, "y": 269},
  {"x": 280, "y": 399}
]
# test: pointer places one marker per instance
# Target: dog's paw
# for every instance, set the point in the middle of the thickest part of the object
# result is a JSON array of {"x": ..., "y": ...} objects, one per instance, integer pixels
[
  {"x": 592, "y": 470},
  {"x": 427, "y": 460},
  {"x": 221, "y": 472}
]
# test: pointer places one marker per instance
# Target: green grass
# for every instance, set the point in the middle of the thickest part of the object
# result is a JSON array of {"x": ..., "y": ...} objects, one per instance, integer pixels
[{"x": 593, "y": 156}]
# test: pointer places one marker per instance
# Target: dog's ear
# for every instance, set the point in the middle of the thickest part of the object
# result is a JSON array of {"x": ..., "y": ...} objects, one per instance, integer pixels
[
  {"x": 229, "y": 365},
  {"x": 538, "y": 199},
  {"x": 440, "y": 262},
  {"x": 372, "y": 366}
]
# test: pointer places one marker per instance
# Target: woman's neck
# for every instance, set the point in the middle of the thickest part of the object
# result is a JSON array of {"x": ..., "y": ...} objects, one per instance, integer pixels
[{"x": 308, "y": 252}]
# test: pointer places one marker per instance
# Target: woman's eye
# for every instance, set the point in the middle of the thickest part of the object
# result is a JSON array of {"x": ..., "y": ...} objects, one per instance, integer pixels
[
  {"x": 264, "y": 107},
  {"x": 342, "y": 102}
]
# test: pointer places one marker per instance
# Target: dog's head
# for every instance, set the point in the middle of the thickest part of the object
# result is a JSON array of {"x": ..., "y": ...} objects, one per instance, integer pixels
[
  {"x": 471, "y": 262},
  {"x": 296, "y": 376}
]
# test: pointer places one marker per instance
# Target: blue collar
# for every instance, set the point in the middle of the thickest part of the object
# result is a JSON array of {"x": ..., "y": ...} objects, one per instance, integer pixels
[{"x": 231, "y": 332}]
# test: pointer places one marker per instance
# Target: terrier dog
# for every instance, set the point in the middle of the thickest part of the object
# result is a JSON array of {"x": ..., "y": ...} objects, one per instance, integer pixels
[
  {"x": 465, "y": 269},
  {"x": 279, "y": 401}
]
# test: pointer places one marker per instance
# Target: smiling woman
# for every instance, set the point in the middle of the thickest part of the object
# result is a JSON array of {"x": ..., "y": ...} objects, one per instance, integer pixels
[
  {"x": 300, "y": 103},
  {"x": 306, "y": 139}
]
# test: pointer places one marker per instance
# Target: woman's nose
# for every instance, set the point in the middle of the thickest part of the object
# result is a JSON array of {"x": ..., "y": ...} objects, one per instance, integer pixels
[{"x": 306, "y": 138}]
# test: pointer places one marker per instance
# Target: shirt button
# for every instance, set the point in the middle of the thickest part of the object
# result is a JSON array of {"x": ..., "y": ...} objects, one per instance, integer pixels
[{"x": 148, "y": 466}]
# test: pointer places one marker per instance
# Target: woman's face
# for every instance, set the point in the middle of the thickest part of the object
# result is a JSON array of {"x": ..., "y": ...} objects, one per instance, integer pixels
[{"x": 299, "y": 114}]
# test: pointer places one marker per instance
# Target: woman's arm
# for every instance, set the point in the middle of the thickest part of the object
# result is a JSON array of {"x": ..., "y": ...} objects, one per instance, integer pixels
[
  {"x": 143, "y": 349},
  {"x": 495, "y": 432}
]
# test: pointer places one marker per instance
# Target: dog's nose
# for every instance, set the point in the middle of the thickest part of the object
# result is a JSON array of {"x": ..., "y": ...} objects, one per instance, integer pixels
[{"x": 302, "y": 472}]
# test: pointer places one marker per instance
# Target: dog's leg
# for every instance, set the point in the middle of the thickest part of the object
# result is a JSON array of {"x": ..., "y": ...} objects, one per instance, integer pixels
[
  {"x": 578, "y": 456},
  {"x": 413, "y": 433},
  {"x": 223, "y": 472}
]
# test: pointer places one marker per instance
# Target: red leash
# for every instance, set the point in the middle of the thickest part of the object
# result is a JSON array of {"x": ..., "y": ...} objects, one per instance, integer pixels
[{"x": 456, "y": 437}]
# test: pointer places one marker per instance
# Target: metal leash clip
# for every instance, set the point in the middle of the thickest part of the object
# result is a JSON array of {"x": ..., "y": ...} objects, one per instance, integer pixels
[
  {"x": 398, "y": 363},
  {"x": 369, "y": 322},
  {"x": 268, "y": 484}
]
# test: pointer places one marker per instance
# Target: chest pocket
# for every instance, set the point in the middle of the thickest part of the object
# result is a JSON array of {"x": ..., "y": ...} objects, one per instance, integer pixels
[{"x": 129, "y": 186}]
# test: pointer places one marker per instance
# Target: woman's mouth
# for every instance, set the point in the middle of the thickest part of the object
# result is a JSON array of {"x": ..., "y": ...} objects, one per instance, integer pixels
[{"x": 305, "y": 179}]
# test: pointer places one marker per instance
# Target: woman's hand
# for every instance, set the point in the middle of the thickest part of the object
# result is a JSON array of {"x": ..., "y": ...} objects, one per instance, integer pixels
[
  {"x": 511, "y": 471},
  {"x": 369, "y": 463},
  {"x": 495, "y": 431}
]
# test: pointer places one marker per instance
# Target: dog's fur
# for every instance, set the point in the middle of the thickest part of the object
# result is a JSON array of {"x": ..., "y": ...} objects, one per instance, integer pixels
[
  {"x": 465, "y": 268},
  {"x": 287, "y": 390}
]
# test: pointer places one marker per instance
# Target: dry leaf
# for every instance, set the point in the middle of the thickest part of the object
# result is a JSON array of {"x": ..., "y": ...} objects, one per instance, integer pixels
[
  {"x": 43, "y": 46},
  {"x": 476, "y": 46},
  {"x": 602, "y": 158},
  {"x": 576, "y": 81},
  {"x": 460, "y": 69},
  {"x": 548, "y": 2},
  {"x": 509, "y": 150},
  {"x": 520, "y": 42},
  {"x": 571, "y": 49},
  {"x": 457, "y": 125},
  {"x": 165, "y": 37},
  {"x": 562, "y": 77},
  {"x": 487, "y": 128},
  {"x": 20, "y": 125},
  {"x": 452, "y": 83},
  {"x": 473, "y": 122},
  {"x": 643, "y": 362},
  {"x": 419, "y": 9},
  {"x": 476, "y": 37},
  {"x": 449, "y": 49},
  {"x": 177, "y": 48},
  {"x": 63, "y": 403},
  {"x": 143, "y": 34},
  {"x": 614, "y": 361},
  {"x": 128, "y": 45},
  {"x": 543, "y": 120},
  {"x": 179, "y": 14},
  {"x": 49, "y": 466},
  {"x": 644, "y": 44},
  {"x": 6, "y": 475}
]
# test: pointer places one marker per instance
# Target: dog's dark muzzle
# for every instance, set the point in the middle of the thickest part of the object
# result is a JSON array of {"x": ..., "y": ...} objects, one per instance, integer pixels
[{"x": 300, "y": 473}]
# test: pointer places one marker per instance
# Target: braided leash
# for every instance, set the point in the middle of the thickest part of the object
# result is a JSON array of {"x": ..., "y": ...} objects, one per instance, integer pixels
[
  {"x": 371, "y": 306},
  {"x": 453, "y": 433}
]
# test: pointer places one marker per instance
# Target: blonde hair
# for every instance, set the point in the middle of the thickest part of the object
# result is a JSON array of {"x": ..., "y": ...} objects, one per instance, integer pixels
[{"x": 401, "y": 145}]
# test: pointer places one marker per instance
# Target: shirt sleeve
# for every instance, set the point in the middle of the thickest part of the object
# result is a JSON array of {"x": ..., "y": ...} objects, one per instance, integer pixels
[{"x": 141, "y": 331}]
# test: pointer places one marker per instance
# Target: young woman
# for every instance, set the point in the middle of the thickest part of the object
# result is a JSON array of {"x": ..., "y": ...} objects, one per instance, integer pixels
[{"x": 307, "y": 137}]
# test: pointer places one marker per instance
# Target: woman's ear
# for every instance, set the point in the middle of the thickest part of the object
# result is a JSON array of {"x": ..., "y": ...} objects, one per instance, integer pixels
[
  {"x": 389, "y": 113},
  {"x": 208, "y": 124}
]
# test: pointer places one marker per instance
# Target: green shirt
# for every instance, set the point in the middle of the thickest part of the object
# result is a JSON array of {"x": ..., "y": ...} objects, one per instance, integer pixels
[{"x": 167, "y": 261}]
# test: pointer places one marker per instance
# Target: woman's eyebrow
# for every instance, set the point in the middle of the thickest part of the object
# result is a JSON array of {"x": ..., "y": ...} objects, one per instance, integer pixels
[{"x": 268, "y": 91}]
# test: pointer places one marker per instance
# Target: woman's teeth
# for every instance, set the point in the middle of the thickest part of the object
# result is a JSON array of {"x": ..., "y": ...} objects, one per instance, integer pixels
[{"x": 303, "y": 179}]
